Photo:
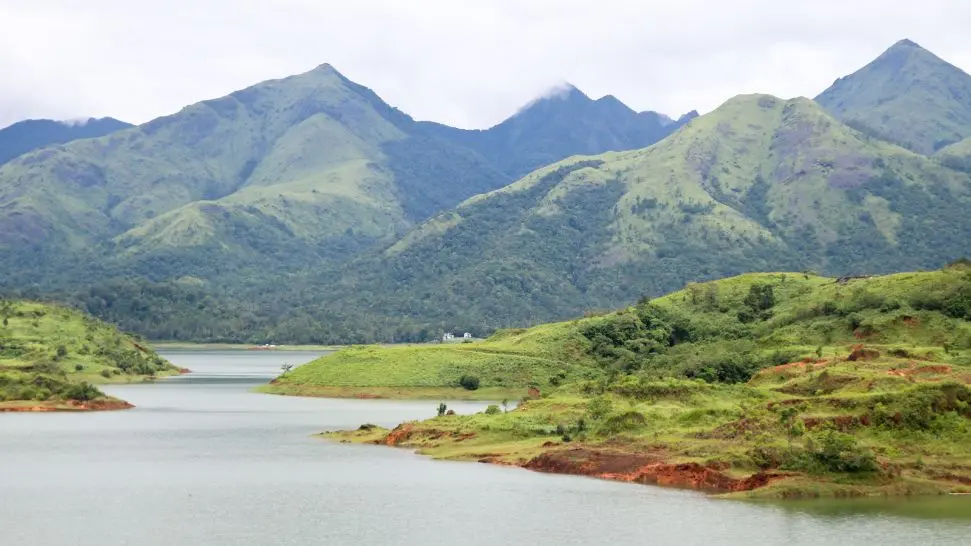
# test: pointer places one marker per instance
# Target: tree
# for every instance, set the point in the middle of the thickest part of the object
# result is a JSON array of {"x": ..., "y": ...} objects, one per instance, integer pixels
[
  {"x": 761, "y": 297},
  {"x": 286, "y": 368},
  {"x": 442, "y": 408},
  {"x": 469, "y": 382},
  {"x": 6, "y": 310},
  {"x": 793, "y": 426}
]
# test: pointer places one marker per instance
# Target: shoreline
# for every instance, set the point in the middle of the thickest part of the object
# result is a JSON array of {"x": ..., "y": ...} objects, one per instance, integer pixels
[
  {"x": 489, "y": 394},
  {"x": 615, "y": 464},
  {"x": 46, "y": 406},
  {"x": 188, "y": 346}
]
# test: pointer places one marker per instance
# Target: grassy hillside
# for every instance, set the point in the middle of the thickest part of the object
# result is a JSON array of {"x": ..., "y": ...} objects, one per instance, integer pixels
[
  {"x": 957, "y": 156},
  {"x": 759, "y": 184},
  {"x": 908, "y": 96},
  {"x": 772, "y": 384},
  {"x": 504, "y": 366},
  {"x": 50, "y": 356},
  {"x": 285, "y": 172}
]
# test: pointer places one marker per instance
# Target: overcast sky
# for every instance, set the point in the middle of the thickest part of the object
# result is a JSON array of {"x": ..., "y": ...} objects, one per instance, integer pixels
[{"x": 465, "y": 63}]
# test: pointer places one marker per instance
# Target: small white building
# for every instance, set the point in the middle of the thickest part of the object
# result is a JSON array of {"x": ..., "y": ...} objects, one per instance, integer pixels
[
  {"x": 466, "y": 335},
  {"x": 448, "y": 336}
]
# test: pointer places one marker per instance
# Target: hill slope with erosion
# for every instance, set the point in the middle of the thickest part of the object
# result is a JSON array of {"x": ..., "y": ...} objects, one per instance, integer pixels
[{"x": 771, "y": 384}]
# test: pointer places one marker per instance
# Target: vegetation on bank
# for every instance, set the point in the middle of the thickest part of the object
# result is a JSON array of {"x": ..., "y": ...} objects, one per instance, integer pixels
[
  {"x": 779, "y": 384},
  {"x": 505, "y": 365},
  {"x": 51, "y": 357}
]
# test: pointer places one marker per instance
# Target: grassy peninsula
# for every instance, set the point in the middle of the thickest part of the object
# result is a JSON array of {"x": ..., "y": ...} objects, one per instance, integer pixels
[
  {"x": 51, "y": 358},
  {"x": 503, "y": 366},
  {"x": 769, "y": 384}
]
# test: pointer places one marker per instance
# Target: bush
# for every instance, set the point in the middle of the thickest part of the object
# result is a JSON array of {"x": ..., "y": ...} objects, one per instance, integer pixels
[
  {"x": 79, "y": 367},
  {"x": 46, "y": 367},
  {"x": 919, "y": 408},
  {"x": 82, "y": 392},
  {"x": 106, "y": 373},
  {"x": 630, "y": 420},
  {"x": 766, "y": 457},
  {"x": 493, "y": 409},
  {"x": 469, "y": 382},
  {"x": 833, "y": 451},
  {"x": 599, "y": 407}
]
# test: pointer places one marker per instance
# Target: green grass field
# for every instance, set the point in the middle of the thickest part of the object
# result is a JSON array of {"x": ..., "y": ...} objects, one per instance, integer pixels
[{"x": 505, "y": 364}]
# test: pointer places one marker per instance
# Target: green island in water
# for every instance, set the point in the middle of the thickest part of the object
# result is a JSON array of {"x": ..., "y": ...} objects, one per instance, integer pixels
[
  {"x": 779, "y": 385},
  {"x": 51, "y": 357}
]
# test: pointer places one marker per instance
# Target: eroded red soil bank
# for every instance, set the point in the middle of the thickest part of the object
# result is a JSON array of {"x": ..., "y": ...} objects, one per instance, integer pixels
[
  {"x": 70, "y": 405},
  {"x": 646, "y": 468}
]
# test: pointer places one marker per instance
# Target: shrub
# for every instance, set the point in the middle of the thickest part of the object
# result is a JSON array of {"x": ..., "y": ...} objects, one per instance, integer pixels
[
  {"x": 79, "y": 367},
  {"x": 61, "y": 351},
  {"x": 46, "y": 367},
  {"x": 833, "y": 451},
  {"x": 469, "y": 382},
  {"x": 920, "y": 408},
  {"x": 83, "y": 392},
  {"x": 766, "y": 457},
  {"x": 599, "y": 407},
  {"x": 839, "y": 452},
  {"x": 106, "y": 373},
  {"x": 493, "y": 409},
  {"x": 630, "y": 420},
  {"x": 730, "y": 369}
]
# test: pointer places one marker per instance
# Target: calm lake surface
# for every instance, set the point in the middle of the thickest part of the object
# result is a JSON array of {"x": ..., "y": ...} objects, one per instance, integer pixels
[{"x": 201, "y": 460}]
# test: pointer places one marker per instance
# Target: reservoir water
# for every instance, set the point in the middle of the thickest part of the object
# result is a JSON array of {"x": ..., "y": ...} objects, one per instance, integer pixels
[{"x": 201, "y": 460}]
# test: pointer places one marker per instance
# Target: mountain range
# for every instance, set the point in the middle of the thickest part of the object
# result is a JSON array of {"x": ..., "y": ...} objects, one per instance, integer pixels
[
  {"x": 31, "y": 134},
  {"x": 564, "y": 122},
  {"x": 307, "y": 209},
  {"x": 296, "y": 171}
]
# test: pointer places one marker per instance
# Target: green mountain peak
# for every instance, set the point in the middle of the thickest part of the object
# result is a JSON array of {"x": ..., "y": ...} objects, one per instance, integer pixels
[
  {"x": 908, "y": 96},
  {"x": 311, "y": 159}
]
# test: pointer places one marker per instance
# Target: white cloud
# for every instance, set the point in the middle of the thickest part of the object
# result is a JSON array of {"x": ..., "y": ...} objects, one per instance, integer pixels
[{"x": 465, "y": 63}]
